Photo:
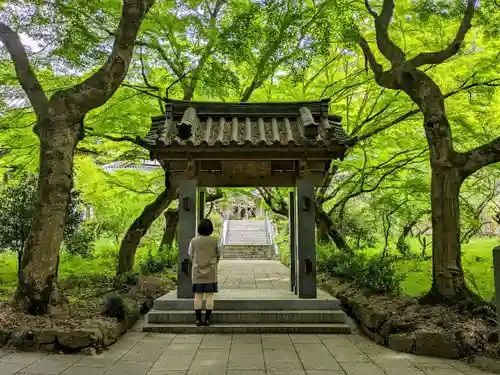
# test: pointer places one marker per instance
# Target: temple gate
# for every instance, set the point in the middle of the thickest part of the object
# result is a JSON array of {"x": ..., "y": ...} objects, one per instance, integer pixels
[{"x": 213, "y": 144}]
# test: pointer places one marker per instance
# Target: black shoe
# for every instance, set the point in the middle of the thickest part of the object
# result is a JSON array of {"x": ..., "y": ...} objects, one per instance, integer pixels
[
  {"x": 208, "y": 313},
  {"x": 198, "y": 317}
]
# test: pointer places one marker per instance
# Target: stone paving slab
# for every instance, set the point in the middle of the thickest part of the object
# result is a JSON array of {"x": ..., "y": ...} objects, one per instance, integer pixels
[{"x": 139, "y": 353}]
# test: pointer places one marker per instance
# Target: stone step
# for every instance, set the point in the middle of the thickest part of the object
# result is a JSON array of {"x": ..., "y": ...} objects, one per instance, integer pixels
[
  {"x": 256, "y": 304},
  {"x": 249, "y": 257},
  {"x": 248, "y": 328},
  {"x": 250, "y": 317},
  {"x": 249, "y": 223},
  {"x": 253, "y": 242},
  {"x": 260, "y": 228},
  {"x": 247, "y": 233},
  {"x": 247, "y": 247},
  {"x": 232, "y": 251}
]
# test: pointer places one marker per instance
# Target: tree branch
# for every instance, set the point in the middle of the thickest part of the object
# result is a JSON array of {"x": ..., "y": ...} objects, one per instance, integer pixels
[
  {"x": 218, "y": 194},
  {"x": 98, "y": 88},
  {"x": 156, "y": 96},
  {"x": 428, "y": 58},
  {"x": 137, "y": 141},
  {"x": 189, "y": 89},
  {"x": 370, "y": 57},
  {"x": 267, "y": 196},
  {"x": 392, "y": 168},
  {"x": 495, "y": 82},
  {"x": 386, "y": 46},
  {"x": 24, "y": 72},
  {"x": 479, "y": 157}
]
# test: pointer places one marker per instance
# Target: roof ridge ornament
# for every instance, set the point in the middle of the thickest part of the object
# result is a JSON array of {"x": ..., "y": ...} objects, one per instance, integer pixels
[
  {"x": 189, "y": 121},
  {"x": 308, "y": 124}
]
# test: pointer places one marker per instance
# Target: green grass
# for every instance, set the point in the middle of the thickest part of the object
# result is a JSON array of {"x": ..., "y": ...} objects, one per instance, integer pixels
[
  {"x": 103, "y": 262},
  {"x": 477, "y": 261}
]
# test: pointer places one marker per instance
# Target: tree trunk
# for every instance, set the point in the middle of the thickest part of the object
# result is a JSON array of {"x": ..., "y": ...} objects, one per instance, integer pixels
[
  {"x": 138, "y": 229},
  {"x": 322, "y": 232},
  {"x": 407, "y": 230},
  {"x": 326, "y": 222},
  {"x": 171, "y": 221},
  {"x": 448, "y": 281},
  {"x": 19, "y": 263},
  {"x": 401, "y": 243},
  {"x": 57, "y": 297},
  {"x": 40, "y": 259}
]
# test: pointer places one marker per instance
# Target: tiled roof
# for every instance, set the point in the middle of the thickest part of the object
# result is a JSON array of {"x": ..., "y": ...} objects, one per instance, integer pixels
[
  {"x": 145, "y": 166},
  {"x": 215, "y": 124}
]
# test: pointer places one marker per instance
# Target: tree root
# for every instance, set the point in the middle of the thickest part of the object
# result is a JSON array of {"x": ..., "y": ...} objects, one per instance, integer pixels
[{"x": 464, "y": 300}]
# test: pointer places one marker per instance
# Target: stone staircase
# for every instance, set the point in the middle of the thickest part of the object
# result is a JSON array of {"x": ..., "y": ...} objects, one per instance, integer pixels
[
  {"x": 248, "y": 239},
  {"x": 259, "y": 311}
]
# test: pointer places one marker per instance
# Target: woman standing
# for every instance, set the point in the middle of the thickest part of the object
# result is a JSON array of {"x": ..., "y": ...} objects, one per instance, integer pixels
[{"x": 204, "y": 252}]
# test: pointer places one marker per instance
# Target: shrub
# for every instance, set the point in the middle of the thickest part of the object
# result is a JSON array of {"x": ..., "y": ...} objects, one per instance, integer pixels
[
  {"x": 81, "y": 242},
  {"x": 115, "y": 307},
  {"x": 131, "y": 278},
  {"x": 169, "y": 257},
  {"x": 284, "y": 253},
  {"x": 151, "y": 266},
  {"x": 377, "y": 274},
  {"x": 340, "y": 263},
  {"x": 380, "y": 275}
]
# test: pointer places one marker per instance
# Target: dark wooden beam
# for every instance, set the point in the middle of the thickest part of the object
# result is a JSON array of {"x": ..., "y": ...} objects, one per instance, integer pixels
[
  {"x": 285, "y": 179},
  {"x": 232, "y": 153},
  {"x": 176, "y": 108}
]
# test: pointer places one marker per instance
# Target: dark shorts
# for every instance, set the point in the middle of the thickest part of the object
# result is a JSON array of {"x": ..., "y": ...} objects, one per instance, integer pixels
[{"x": 205, "y": 288}]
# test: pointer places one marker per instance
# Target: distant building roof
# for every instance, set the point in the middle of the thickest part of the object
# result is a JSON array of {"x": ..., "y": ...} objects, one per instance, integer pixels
[{"x": 145, "y": 166}]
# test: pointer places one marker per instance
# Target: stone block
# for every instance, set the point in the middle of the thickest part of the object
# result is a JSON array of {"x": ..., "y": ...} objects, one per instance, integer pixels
[
  {"x": 4, "y": 335},
  {"x": 367, "y": 331},
  {"x": 379, "y": 339},
  {"x": 80, "y": 338},
  {"x": 436, "y": 344},
  {"x": 396, "y": 325},
  {"x": 45, "y": 336},
  {"x": 401, "y": 342},
  {"x": 48, "y": 347},
  {"x": 373, "y": 318}
]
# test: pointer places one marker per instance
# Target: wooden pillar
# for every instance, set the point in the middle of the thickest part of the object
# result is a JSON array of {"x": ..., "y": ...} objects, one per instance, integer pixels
[
  {"x": 292, "y": 240},
  {"x": 306, "y": 241},
  {"x": 201, "y": 203},
  {"x": 496, "y": 276},
  {"x": 187, "y": 230}
]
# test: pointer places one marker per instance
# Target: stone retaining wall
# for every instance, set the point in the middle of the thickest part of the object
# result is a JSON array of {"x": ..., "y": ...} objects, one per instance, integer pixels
[
  {"x": 85, "y": 340},
  {"x": 400, "y": 332}
]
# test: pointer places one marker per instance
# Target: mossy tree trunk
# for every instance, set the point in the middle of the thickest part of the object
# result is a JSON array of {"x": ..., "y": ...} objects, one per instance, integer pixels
[
  {"x": 138, "y": 229},
  {"x": 59, "y": 127},
  {"x": 449, "y": 167},
  {"x": 171, "y": 223}
]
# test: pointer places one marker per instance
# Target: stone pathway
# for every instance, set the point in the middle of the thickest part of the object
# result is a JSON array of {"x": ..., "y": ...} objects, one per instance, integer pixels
[
  {"x": 138, "y": 353},
  {"x": 253, "y": 274}
]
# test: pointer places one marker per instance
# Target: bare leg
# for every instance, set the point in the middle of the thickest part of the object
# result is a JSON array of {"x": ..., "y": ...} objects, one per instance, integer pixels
[
  {"x": 198, "y": 298},
  {"x": 209, "y": 306}
]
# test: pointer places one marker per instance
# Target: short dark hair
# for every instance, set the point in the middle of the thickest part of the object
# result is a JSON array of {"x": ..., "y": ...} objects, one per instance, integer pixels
[{"x": 205, "y": 227}]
